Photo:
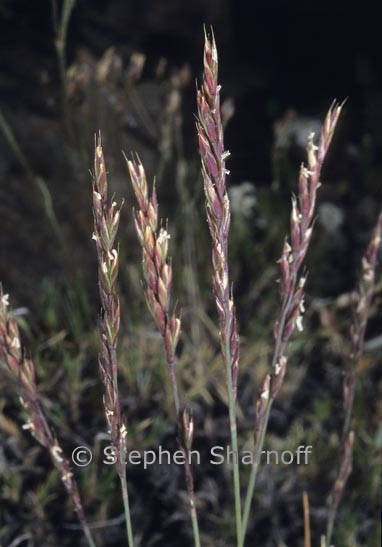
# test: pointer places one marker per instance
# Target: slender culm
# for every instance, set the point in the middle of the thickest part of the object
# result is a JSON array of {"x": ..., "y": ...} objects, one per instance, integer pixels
[
  {"x": 157, "y": 274},
  {"x": 362, "y": 297},
  {"x": 292, "y": 284},
  {"x": 213, "y": 155},
  {"x": 23, "y": 371},
  {"x": 106, "y": 221}
]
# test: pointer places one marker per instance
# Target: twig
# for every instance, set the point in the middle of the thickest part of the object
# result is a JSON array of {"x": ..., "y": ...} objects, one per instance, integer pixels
[{"x": 307, "y": 534}]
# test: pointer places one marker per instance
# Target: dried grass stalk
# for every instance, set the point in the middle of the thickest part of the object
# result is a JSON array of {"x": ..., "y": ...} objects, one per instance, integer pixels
[
  {"x": 362, "y": 298},
  {"x": 23, "y": 372},
  {"x": 157, "y": 273},
  {"x": 157, "y": 268},
  {"x": 106, "y": 221},
  {"x": 213, "y": 155},
  {"x": 292, "y": 283}
]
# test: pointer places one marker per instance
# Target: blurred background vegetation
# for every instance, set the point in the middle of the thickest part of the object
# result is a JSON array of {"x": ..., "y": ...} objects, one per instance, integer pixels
[{"x": 128, "y": 69}]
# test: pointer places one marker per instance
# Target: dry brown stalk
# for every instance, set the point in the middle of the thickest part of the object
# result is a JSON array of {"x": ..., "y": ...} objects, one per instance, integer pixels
[
  {"x": 23, "y": 371},
  {"x": 307, "y": 534},
  {"x": 362, "y": 298},
  {"x": 346, "y": 464}
]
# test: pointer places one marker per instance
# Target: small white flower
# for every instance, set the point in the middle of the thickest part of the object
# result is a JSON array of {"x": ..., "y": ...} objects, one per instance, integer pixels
[
  {"x": 67, "y": 476},
  {"x": 302, "y": 282},
  {"x": 299, "y": 324},
  {"x": 5, "y": 300},
  {"x": 163, "y": 236},
  {"x": 224, "y": 280},
  {"x": 56, "y": 453},
  {"x": 214, "y": 53},
  {"x": 15, "y": 343},
  {"x": 306, "y": 173},
  {"x": 308, "y": 233}
]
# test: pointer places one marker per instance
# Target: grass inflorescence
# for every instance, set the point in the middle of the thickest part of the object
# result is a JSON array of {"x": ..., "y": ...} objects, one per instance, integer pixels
[{"x": 244, "y": 381}]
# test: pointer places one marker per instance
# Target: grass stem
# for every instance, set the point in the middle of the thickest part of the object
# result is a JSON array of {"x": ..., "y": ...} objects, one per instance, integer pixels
[{"x": 126, "y": 506}]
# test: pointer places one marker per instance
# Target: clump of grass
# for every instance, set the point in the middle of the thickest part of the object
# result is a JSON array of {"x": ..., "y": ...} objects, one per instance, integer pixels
[
  {"x": 158, "y": 276},
  {"x": 292, "y": 282}
]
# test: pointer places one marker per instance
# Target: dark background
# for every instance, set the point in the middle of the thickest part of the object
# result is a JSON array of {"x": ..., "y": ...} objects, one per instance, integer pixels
[{"x": 274, "y": 55}]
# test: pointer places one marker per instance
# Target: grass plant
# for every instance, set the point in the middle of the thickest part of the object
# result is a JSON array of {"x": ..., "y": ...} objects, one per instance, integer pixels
[
  {"x": 362, "y": 298},
  {"x": 23, "y": 373},
  {"x": 106, "y": 220},
  {"x": 210, "y": 133},
  {"x": 157, "y": 271},
  {"x": 116, "y": 359}
]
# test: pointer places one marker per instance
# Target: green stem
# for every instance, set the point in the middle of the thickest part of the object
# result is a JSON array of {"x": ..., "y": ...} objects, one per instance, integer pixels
[
  {"x": 280, "y": 347},
  {"x": 88, "y": 535},
  {"x": 61, "y": 30},
  {"x": 329, "y": 529},
  {"x": 126, "y": 505},
  {"x": 233, "y": 430},
  {"x": 191, "y": 497},
  {"x": 188, "y": 471},
  {"x": 35, "y": 179},
  {"x": 195, "y": 527},
  {"x": 255, "y": 466}
]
